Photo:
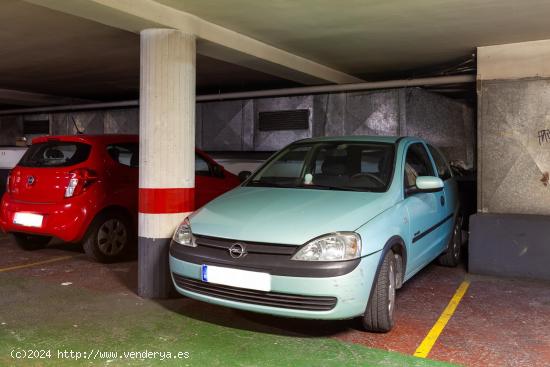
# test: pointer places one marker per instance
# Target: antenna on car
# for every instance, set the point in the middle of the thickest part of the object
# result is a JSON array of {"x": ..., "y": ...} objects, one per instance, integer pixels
[{"x": 78, "y": 131}]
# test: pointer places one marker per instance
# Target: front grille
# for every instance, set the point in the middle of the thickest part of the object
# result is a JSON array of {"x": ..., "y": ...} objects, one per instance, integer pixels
[
  {"x": 251, "y": 247},
  {"x": 281, "y": 300}
]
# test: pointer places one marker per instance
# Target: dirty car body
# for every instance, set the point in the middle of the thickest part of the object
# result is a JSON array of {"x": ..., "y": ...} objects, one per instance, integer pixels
[{"x": 309, "y": 232}]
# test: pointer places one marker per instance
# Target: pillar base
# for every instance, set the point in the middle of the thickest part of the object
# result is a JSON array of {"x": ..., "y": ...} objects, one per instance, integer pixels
[
  {"x": 154, "y": 280},
  {"x": 510, "y": 245}
]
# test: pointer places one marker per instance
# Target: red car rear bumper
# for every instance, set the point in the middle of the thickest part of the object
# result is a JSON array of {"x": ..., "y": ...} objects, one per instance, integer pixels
[{"x": 67, "y": 221}]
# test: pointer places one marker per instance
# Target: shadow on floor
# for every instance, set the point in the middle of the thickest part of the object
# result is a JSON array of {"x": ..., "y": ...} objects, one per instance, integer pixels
[{"x": 250, "y": 321}]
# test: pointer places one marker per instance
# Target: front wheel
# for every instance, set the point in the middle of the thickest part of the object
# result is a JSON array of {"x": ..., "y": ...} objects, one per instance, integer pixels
[
  {"x": 29, "y": 241},
  {"x": 451, "y": 257},
  {"x": 379, "y": 315},
  {"x": 108, "y": 238}
]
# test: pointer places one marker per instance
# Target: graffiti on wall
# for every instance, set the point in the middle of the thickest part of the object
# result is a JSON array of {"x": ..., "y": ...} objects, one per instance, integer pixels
[{"x": 544, "y": 136}]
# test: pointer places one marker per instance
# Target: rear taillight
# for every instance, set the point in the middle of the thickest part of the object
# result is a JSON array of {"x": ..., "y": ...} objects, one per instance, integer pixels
[{"x": 79, "y": 181}]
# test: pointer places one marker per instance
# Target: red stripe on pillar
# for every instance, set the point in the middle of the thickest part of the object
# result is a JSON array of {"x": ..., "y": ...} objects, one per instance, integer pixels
[{"x": 162, "y": 201}]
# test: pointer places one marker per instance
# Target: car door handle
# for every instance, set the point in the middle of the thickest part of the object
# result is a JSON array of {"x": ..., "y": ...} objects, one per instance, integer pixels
[{"x": 442, "y": 200}]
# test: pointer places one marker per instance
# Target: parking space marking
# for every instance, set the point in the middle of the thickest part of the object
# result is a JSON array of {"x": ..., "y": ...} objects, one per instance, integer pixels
[
  {"x": 427, "y": 344},
  {"x": 36, "y": 263}
]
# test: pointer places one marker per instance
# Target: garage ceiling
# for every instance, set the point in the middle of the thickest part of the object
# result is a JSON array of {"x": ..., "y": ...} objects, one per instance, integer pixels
[
  {"x": 49, "y": 52},
  {"x": 378, "y": 38},
  {"x": 374, "y": 38}
]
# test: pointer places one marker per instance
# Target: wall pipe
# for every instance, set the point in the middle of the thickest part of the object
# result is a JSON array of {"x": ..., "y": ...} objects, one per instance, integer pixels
[{"x": 387, "y": 84}]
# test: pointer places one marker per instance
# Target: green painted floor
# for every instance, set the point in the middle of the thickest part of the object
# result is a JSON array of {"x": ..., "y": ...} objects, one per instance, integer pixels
[{"x": 39, "y": 315}]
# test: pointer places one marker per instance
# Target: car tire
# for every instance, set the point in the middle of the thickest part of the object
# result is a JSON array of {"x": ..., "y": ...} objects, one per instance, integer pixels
[
  {"x": 29, "y": 242},
  {"x": 379, "y": 314},
  {"x": 109, "y": 237},
  {"x": 451, "y": 257}
]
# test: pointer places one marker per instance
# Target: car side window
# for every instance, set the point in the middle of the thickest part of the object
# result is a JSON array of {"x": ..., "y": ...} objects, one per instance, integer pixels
[
  {"x": 202, "y": 168},
  {"x": 443, "y": 168},
  {"x": 417, "y": 163},
  {"x": 126, "y": 154}
]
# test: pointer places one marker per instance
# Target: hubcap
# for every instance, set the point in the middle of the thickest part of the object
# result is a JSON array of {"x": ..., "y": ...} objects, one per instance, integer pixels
[
  {"x": 391, "y": 289},
  {"x": 111, "y": 237}
]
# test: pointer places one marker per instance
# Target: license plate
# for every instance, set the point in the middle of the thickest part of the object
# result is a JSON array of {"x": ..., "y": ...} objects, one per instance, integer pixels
[
  {"x": 28, "y": 219},
  {"x": 236, "y": 278}
]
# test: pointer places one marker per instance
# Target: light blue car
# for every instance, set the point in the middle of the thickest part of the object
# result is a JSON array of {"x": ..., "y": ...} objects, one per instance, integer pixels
[{"x": 327, "y": 228}]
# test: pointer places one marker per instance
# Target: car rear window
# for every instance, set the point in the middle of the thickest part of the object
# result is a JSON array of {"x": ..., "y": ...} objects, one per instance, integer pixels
[{"x": 55, "y": 154}]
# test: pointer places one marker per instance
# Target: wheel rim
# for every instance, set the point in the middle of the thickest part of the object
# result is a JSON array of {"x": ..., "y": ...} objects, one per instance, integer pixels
[
  {"x": 456, "y": 239},
  {"x": 111, "y": 237},
  {"x": 391, "y": 289}
]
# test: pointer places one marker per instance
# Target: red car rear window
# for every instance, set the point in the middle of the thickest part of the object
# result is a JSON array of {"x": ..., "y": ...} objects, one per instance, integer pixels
[{"x": 55, "y": 154}]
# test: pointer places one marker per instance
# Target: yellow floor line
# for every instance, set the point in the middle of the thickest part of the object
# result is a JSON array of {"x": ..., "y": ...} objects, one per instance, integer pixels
[
  {"x": 427, "y": 344},
  {"x": 36, "y": 263}
]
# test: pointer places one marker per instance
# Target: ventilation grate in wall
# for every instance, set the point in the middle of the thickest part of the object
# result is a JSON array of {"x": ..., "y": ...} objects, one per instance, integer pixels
[
  {"x": 284, "y": 120},
  {"x": 33, "y": 127}
]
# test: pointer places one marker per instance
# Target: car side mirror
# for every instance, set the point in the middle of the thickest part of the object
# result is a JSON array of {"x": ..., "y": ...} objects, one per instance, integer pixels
[
  {"x": 217, "y": 171},
  {"x": 429, "y": 184},
  {"x": 244, "y": 175}
]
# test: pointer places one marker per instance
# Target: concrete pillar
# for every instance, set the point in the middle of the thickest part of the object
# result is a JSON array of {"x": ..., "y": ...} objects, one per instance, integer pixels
[
  {"x": 167, "y": 145},
  {"x": 514, "y": 128},
  {"x": 509, "y": 234}
]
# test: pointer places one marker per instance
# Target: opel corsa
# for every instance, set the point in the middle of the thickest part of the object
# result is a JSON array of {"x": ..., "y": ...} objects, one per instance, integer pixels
[{"x": 328, "y": 228}]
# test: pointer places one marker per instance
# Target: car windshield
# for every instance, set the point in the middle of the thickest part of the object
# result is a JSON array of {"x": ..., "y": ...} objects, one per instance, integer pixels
[
  {"x": 350, "y": 166},
  {"x": 55, "y": 154}
]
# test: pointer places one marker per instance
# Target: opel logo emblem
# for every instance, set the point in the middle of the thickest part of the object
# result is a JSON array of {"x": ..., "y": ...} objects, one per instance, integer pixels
[
  {"x": 30, "y": 180},
  {"x": 237, "y": 250}
]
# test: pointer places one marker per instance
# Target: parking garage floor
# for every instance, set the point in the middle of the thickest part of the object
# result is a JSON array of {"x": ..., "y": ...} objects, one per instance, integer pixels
[{"x": 56, "y": 299}]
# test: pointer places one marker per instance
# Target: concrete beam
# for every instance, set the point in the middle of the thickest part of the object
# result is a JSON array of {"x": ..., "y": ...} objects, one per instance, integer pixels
[
  {"x": 514, "y": 61},
  {"x": 213, "y": 40},
  {"x": 21, "y": 98}
]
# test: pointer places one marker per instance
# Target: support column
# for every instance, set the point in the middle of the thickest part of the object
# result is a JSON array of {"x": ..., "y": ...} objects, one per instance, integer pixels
[
  {"x": 167, "y": 150},
  {"x": 509, "y": 234}
]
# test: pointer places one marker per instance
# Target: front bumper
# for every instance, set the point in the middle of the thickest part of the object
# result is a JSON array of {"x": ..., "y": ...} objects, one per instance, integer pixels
[
  {"x": 67, "y": 221},
  {"x": 351, "y": 290}
]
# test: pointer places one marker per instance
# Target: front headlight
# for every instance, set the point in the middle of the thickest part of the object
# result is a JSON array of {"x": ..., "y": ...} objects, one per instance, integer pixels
[
  {"x": 331, "y": 247},
  {"x": 183, "y": 234}
]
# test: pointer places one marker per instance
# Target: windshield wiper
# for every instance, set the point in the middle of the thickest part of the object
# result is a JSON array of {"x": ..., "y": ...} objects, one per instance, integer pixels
[
  {"x": 265, "y": 184},
  {"x": 39, "y": 161},
  {"x": 330, "y": 187}
]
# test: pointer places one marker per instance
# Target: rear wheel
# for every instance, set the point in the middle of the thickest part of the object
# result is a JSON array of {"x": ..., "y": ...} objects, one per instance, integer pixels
[
  {"x": 379, "y": 315},
  {"x": 452, "y": 256},
  {"x": 109, "y": 237},
  {"x": 29, "y": 241}
]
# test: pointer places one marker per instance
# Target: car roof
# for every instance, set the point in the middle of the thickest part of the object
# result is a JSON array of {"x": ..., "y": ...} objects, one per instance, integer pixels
[
  {"x": 101, "y": 139},
  {"x": 361, "y": 138},
  {"x": 111, "y": 138},
  {"x": 91, "y": 139}
]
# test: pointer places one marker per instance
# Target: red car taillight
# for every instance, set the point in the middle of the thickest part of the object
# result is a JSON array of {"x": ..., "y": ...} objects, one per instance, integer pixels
[{"x": 79, "y": 181}]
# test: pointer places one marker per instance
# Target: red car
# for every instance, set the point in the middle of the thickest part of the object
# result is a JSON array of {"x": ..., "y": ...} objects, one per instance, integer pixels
[{"x": 85, "y": 188}]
